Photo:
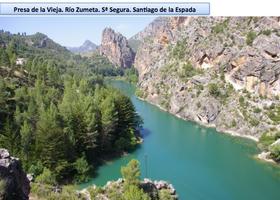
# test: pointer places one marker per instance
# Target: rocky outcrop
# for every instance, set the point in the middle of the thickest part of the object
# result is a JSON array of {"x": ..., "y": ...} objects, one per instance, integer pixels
[
  {"x": 115, "y": 47},
  {"x": 14, "y": 182},
  {"x": 152, "y": 188},
  {"x": 181, "y": 58}
]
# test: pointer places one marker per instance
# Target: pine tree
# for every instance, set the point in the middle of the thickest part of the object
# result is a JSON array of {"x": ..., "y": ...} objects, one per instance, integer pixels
[
  {"x": 109, "y": 115},
  {"x": 26, "y": 140},
  {"x": 131, "y": 173},
  {"x": 4, "y": 58},
  {"x": 50, "y": 141}
]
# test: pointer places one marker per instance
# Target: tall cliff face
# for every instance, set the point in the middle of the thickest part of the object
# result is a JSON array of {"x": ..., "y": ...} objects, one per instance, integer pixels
[
  {"x": 218, "y": 71},
  {"x": 14, "y": 182},
  {"x": 115, "y": 47}
]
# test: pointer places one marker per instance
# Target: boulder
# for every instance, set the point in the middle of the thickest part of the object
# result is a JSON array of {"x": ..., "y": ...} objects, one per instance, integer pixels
[{"x": 16, "y": 183}]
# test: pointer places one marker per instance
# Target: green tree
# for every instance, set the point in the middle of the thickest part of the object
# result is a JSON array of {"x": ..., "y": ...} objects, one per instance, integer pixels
[
  {"x": 133, "y": 192},
  {"x": 82, "y": 167},
  {"x": 4, "y": 58},
  {"x": 26, "y": 139},
  {"x": 46, "y": 177},
  {"x": 164, "y": 194},
  {"x": 131, "y": 173},
  {"x": 109, "y": 115},
  {"x": 50, "y": 141}
]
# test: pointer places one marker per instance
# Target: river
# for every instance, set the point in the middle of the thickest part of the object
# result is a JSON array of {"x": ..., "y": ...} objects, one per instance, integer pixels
[{"x": 201, "y": 163}]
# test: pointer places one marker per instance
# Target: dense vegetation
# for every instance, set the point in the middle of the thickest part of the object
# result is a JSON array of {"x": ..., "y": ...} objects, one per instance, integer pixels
[{"x": 56, "y": 114}]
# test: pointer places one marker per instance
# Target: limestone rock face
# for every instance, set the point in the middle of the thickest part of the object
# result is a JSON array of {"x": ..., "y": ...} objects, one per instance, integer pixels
[
  {"x": 16, "y": 183},
  {"x": 238, "y": 54},
  {"x": 115, "y": 47}
]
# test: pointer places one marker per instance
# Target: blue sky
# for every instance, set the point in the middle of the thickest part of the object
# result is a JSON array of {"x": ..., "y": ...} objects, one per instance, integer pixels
[{"x": 73, "y": 31}]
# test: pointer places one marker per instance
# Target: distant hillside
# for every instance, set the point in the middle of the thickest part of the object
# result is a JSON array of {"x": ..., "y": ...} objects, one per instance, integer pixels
[{"x": 86, "y": 47}]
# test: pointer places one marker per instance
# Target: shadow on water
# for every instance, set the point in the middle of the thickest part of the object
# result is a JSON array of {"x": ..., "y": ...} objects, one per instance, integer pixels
[{"x": 145, "y": 132}]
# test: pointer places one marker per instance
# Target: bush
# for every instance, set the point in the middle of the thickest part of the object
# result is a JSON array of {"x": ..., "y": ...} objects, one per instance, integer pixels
[
  {"x": 188, "y": 71},
  {"x": 214, "y": 90},
  {"x": 257, "y": 110},
  {"x": 254, "y": 122},
  {"x": 233, "y": 123},
  {"x": 242, "y": 101},
  {"x": 46, "y": 177},
  {"x": 36, "y": 169},
  {"x": 220, "y": 27},
  {"x": 135, "y": 193},
  {"x": 266, "y": 32},
  {"x": 140, "y": 93},
  {"x": 2, "y": 188},
  {"x": 251, "y": 36},
  {"x": 267, "y": 139},
  {"x": 274, "y": 113},
  {"x": 275, "y": 152},
  {"x": 94, "y": 191},
  {"x": 164, "y": 194},
  {"x": 179, "y": 50}
]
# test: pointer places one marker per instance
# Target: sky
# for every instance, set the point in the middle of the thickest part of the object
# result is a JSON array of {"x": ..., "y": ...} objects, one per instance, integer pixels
[{"x": 73, "y": 31}]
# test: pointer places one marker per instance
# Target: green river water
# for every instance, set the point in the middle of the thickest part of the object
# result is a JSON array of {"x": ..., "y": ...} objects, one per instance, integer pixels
[{"x": 200, "y": 162}]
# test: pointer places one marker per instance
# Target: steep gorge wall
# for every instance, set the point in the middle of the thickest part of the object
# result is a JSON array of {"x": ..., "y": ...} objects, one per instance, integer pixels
[
  {"x": 184, "y": 59},
  {"x": 115, "y": 47}
]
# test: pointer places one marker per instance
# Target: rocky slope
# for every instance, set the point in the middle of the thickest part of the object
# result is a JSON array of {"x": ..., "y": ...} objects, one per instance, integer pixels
[
  {"x": 154, "y": 189},
  {"x": 86, "y": 47},
  {"x": 221, "y": 72},
  {"x": 14, "y": 182},
  {"x": 115, "y": 47}
]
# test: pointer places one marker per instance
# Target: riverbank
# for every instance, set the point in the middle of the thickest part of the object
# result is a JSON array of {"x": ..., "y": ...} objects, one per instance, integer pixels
[{"x": 225, "y": 131}]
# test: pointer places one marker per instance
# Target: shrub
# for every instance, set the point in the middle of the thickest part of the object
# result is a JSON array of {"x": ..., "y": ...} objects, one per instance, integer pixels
[
  {"x": 266, "y": 32},
  {"x": 135, "y": 193},
  {"x": 275, "y": 152},
  {"x": 251, "y": 36},
  {"x": 164, "y": 194},
  {"x": 257, "y": 110},
  {"x": 2, "y": 187},
  {"x": 179, "y": 50},
  {"x": 233, "y": 123},
  {"x": 214, "y": 90},
  {"x": 46, "y": 177},
  {"x": 254, "y": 122},
  {"x": 274, "y": 114},
  {"x": 220, "y": 27},
  {"x": 267, "y": 139},
  {"x": 242, "y": 101},
  {"x": 188, "y": 71}
]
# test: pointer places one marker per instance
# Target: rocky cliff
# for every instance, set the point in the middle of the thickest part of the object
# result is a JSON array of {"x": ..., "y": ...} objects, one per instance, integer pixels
[
  {"x": 115, "y": 47},
  {"x": 218, "y": 71},
  {"x": 14, "y": 182}
]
